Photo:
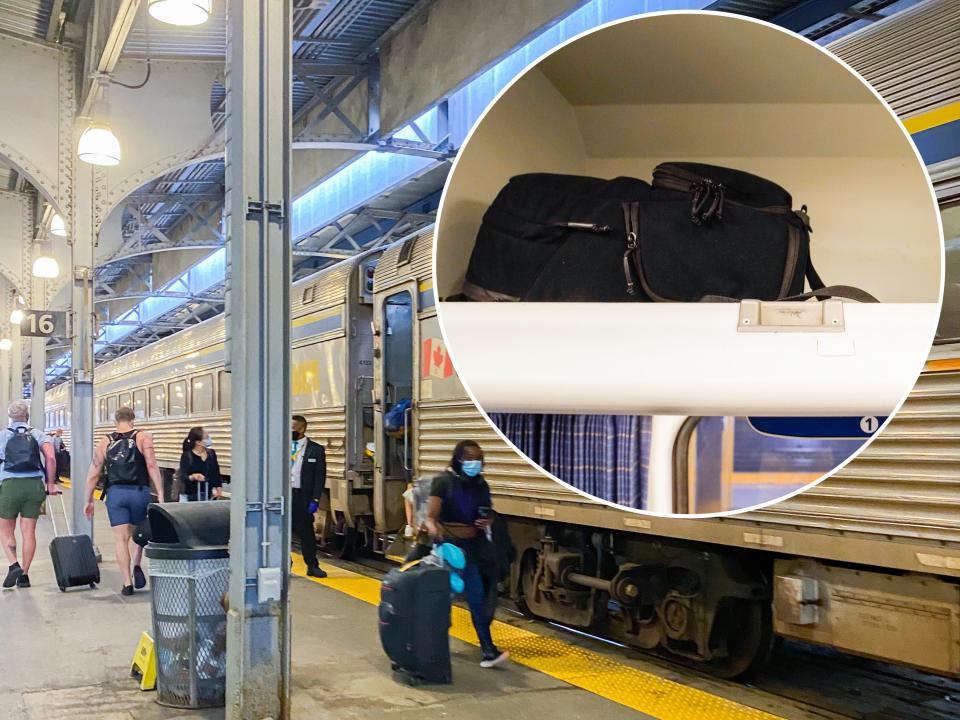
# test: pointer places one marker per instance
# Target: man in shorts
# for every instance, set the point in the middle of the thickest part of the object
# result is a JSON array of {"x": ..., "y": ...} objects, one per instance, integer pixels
[
  {"x": 28, "y": 473},
  {"x": 131, "y": 465}
]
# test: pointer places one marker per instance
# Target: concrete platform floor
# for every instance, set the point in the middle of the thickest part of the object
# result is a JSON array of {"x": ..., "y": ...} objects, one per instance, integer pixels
[{"x": 68, "y": 656}]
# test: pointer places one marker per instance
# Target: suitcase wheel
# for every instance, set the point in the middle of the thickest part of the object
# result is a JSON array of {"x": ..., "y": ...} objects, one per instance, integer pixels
[
  {"x": 62, "y": 588},
  {"x": 93, "y": 586}
]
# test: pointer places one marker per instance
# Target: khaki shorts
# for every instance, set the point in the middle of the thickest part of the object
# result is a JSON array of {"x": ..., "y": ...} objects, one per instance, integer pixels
[{"x": 22, "y": 496}]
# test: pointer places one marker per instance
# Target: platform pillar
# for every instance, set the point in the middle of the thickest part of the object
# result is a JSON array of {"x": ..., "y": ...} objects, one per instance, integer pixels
[
  {"x": 81, "y": 277},
  {"x": 257, "y": 212}
]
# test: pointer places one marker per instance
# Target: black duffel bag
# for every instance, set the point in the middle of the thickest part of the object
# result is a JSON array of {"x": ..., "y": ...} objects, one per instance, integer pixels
[
  {"x": 701, "y": 233},
  {"x": 553, "y": 237}
]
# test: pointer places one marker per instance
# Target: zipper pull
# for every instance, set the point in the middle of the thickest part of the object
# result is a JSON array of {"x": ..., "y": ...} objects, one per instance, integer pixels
[
  {"x": 627, "y": 272},
  {"x": 804, "y": 218},
  {"x": 589, "y": 227}
]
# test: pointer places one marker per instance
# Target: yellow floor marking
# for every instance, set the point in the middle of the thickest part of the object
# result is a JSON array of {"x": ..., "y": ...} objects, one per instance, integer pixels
[
  {"x": 591, "y": 671},
  {"x": 68, "y": 485}
]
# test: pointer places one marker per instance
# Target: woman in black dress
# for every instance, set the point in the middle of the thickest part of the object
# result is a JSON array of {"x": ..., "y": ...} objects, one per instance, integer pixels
[{"x": 199, "y": 469}]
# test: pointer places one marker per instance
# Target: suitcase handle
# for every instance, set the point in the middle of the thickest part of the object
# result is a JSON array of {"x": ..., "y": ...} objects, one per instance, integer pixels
[{"x": 66, "y": 518}]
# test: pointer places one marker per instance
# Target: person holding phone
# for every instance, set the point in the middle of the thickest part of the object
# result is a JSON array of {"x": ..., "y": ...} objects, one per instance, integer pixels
[{"x": 460, "y": 510}]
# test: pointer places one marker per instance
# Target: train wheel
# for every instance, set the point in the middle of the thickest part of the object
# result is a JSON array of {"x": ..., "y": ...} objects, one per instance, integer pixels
[
  {"x": 528, "y": 569},
  {"x": 746, "y": 627}
]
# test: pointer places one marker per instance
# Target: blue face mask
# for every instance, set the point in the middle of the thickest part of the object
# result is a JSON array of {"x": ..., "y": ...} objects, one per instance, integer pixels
[{"x": 472, "y": 468}]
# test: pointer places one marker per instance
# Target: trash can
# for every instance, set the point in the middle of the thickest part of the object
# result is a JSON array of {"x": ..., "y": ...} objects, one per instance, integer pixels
[{"x": 189, "y": 576}]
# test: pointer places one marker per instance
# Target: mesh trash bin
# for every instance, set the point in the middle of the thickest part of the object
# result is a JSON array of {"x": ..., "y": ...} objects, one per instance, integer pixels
[{"x": 189, "y": 575}]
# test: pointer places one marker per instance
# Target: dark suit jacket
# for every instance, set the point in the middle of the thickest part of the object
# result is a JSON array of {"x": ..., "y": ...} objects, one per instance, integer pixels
[{"x": 313, "y": 471}]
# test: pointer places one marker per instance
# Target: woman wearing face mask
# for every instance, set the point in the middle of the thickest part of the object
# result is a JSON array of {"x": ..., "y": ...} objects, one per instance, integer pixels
[
  {"x": 199, "y": 470},
  {"x": 459, "y": 510}
]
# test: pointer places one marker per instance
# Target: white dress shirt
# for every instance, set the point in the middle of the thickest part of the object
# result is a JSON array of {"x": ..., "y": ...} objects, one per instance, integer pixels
[{"x": 296, "y": 461}]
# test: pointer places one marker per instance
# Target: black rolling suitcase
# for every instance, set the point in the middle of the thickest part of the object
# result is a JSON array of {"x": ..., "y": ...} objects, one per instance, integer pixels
[
  {"x": 415, "y": 623},
  {"x": 74, "y": 560}
]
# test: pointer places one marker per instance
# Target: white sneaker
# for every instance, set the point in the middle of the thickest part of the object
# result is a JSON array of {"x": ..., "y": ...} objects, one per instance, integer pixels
[{"x": 494, "y": 661}]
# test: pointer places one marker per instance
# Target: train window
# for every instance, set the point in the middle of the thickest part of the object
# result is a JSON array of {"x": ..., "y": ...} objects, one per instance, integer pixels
[
  {"x": 158, "y": 401},
  {"x": 125, "y": 399},
  {"x": 201, "y": 391},
  {"x": 140, "y": 403},
  {"x": 177, "y": 394},
  {"x": 102, "y": 408},
  {"x": 949, "y": 328},
  {"x": 225, "y": 392},
  {"x": 111, "y": 407},
  {"x": 729, "y": 464}
]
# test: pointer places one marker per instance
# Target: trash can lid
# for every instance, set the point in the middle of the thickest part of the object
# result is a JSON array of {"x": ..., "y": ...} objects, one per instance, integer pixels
[{"x": 190, "y": 525}]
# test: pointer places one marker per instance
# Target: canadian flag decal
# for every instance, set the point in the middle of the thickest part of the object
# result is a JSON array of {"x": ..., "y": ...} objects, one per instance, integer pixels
[{"x": 436, "y": 362}]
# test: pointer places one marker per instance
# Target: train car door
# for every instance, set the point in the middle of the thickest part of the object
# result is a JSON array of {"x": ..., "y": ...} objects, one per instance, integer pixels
[{"x": 394, "y": 402}]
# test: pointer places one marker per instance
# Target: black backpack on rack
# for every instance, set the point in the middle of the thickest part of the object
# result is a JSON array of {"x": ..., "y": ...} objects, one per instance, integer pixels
[{"x": 699, "y": 233}]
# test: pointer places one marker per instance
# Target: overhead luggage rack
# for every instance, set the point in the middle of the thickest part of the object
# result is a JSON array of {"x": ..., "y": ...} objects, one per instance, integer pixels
[{"x": 689, "y": 358}]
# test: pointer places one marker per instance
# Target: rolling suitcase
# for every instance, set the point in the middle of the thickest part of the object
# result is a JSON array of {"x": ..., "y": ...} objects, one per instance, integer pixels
[
  {"x": 74, "y": 560},
  {"x": 415, "y": 622}
]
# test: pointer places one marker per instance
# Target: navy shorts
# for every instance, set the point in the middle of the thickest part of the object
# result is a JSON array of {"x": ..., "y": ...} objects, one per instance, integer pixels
[{"x": 127, "y": 504}]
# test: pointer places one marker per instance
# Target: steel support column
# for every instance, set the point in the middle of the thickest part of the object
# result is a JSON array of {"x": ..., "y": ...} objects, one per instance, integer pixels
[
  {"x": 38, "y": 379},
  {"x": 81, "y": 275},
  {"x": 4, "y": 382},
  {"x": 38, "y": 357},
  {"x": 258, "y": 82},
  {"x": 16, "y": 364}
]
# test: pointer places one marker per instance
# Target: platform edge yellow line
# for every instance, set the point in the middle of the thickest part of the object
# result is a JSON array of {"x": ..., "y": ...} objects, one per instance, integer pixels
[{"x": 633, "y": 688}]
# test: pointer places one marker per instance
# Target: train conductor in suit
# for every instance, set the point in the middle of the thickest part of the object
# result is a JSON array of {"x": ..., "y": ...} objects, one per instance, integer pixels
[{"x": 308, "y": 476}]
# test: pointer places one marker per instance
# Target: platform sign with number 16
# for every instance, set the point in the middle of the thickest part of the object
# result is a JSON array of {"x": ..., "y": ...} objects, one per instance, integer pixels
[{"x": 43, "y": 323}]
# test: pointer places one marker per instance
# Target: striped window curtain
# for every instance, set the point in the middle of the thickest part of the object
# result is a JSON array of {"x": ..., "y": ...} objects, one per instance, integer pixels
[{"x": 604, "y": 455}]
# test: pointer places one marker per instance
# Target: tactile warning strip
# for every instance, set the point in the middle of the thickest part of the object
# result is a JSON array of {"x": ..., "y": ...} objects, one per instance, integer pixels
[{"x": 648, "y": 693}]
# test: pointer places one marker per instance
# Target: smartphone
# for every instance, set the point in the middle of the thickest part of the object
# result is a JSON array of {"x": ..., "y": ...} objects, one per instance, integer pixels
[{"x": 483, "y": 512}]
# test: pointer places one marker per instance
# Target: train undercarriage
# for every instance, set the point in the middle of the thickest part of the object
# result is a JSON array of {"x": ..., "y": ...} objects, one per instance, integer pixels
[{"x": 709, "y": 607}]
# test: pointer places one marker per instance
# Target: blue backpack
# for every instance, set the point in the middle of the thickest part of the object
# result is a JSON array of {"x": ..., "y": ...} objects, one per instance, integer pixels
[{"x": 393, "y": 420}]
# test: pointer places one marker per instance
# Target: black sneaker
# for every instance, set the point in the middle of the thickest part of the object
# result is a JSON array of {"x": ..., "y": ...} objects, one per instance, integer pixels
[
  {"x": 23, "y": 581},
  {"x": 13, "y": 574},
  {"x": 127, "y": 590},
  {"x": 139, "y": 579},
  {"x": 316, "y": 572}
]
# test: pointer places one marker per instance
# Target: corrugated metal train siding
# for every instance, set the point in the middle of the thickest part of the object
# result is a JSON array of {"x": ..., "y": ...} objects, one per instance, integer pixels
[
  {"x": 329, "y": 287},
  {"x": 420, "y": 264},
  {"x": 911, "y": 59},
  {"x": 905, "y": 484}
]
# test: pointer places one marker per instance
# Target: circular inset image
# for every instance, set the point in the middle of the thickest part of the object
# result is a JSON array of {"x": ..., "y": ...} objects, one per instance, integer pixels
[{"x": 688, "y": 263}]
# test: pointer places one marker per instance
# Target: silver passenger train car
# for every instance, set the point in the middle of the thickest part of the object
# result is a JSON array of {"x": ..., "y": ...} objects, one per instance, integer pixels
[{"x": 868, "y": 561}]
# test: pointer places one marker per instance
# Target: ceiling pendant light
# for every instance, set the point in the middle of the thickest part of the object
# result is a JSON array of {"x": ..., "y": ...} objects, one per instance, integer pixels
[
  {"x": 45, "y": 265},
  {"x": 180, "y": 12},
  {"x": 16, "y": 317},
  {"x": 57, "y": 226},
  {"x": 98, "y": 145}
]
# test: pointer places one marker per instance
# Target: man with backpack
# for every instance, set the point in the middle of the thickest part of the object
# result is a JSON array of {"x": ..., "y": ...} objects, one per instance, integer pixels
[
  {"x": 127, "y": 455},
  {"x": 28, "y": 473}
]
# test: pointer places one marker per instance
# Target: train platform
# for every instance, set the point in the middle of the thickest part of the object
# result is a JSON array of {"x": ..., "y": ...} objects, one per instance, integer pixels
[{"x": 68, "y": 655}]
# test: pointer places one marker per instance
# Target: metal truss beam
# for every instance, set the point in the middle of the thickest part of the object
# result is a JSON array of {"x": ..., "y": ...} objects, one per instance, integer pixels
[
  {"x": 153, "y": 249},
  {"x": 112, "y": 47},
  {"x": 152, "y": 198},
  {"x": 199, "y": 297},
  {"x": 314, "y": 141},
  {"x": 810, "y": 13}
]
